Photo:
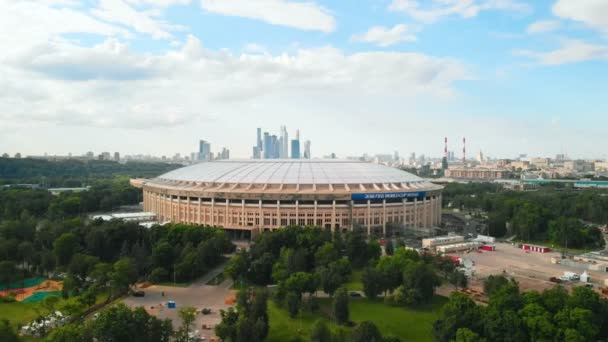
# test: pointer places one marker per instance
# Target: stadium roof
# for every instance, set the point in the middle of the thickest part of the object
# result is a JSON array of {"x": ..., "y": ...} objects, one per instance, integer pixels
[{"x": 291, "y": 171}]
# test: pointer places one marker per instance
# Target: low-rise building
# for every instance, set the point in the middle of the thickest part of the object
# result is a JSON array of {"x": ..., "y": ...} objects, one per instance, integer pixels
[{"x": 477, "y": 173}]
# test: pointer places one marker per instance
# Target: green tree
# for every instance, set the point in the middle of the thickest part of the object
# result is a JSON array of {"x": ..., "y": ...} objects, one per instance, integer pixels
[
  {"x": 293, "y": 301},
  {"x": 320, "y": 332},
  {"x": 467, "y": 335},
  {"x": 340, "y": 306},
  {"x": 389, "y": 249},
  {"x": 187, "y": 316},
  {"x": 459, "y": 312},
  {"x": 50, "y": 302},
  {"x": 373, "y": 282},
  {"x": 65, "y": 247},
  {"x": 366, "y": 331},
  {"x": 7, "y": 333},
  {"x": 119, "y": 323},
  {"x": 70, "y": 333},
  {"x": 123, "y": 274}
]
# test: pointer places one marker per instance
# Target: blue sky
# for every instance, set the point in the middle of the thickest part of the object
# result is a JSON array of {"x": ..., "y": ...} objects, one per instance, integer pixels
[{"x": 371, "y": 76}]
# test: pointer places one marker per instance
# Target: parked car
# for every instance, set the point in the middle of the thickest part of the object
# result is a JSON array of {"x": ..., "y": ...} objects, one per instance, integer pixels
[
  {"x": 355, "y": 294},
  {"x": 139, "y": 294}
]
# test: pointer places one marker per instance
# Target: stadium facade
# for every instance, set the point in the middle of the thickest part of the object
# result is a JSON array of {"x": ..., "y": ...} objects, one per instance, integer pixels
[{"x": 257, "y": 195}]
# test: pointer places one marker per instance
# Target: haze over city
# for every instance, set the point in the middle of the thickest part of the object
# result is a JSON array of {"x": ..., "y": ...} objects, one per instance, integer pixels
[{"x": 149, "y": 76}]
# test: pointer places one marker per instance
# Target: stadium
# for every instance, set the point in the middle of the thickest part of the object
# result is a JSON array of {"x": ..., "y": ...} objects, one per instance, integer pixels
[{"x": 251, "y": 196}]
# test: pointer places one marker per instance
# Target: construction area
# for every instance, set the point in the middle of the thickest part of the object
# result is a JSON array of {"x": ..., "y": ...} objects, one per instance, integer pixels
[{"x": 535, "y": 269}]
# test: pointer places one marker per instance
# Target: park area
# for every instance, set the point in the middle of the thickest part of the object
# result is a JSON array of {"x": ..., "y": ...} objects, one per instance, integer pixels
[
  {"x": 31, "y": 290},
  {"x": 409, "y": 324}
]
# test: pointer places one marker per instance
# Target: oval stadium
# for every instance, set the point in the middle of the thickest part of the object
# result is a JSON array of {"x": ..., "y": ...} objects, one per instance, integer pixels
[{"x": 251, "y": 196}]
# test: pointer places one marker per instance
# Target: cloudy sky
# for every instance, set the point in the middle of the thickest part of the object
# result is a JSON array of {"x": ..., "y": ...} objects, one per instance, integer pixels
[{"x": 365, "y": 76}]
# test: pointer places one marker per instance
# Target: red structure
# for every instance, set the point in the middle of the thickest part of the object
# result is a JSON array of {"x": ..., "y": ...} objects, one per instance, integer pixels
[
  {"x": 464, "y": 150},
  {"x": 535, "y": 248},
  {"x": 488, "y": 248}
]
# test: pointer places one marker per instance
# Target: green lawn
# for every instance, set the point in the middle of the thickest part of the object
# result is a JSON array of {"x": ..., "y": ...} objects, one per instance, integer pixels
[
  {"x": 354, "y": 283},
  {"x": 407, "y": 323},
  {"x": 19, "y": 313}
]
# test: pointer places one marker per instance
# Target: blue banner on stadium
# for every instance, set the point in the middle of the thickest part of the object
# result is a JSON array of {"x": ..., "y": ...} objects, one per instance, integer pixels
[{"x": 387, "y": 195}]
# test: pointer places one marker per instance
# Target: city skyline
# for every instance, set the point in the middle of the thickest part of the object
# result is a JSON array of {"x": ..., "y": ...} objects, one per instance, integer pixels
[{"x": 513, "y": 76}]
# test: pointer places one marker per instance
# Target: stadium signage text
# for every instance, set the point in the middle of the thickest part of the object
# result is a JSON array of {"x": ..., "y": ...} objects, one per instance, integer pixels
[{"x": 388, "y": 195}]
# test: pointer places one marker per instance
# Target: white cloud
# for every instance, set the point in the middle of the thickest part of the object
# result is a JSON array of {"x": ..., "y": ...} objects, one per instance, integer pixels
[
  {"x": 445, "y": 8},
  {"x": 593, "y": 13},
  {"x": 110, "y": 85},
  {"x": 160, "y": 3},
  {"x": 384, "y": 36},
  {"x": 543, "y": 26},
  {"x": 571, "y": 51},
  {"x": 120, "y": 12},
  {"x": 297, "y": 14}
]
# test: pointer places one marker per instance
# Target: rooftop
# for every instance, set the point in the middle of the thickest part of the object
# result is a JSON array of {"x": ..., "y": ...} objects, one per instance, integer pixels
[{"x": 291, "y": 171}]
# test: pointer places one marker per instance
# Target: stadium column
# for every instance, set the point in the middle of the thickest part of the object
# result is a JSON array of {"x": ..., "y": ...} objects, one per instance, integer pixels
[
  {"x": 179, "y": 209},
  {"x": 352, "y": 224},
  {"x": 369, "y": 218},
  {"x": 404, "y": 219},
  {"x": 213, "y": 211},
  {"x": 384, "y": 217},
  {"x": 333, "y": 215},
  {"x": 416, "y": 212},
  {"x": 226, "y": 216},
  {"x": 297, "y": 213},
  {"x": 242, "y": 220},
  {"x": 200, "y": 204},
  {"x": 187, "y": 209},
  {"x": 261, "y": 216},
  {"x": 440, "y": 205},
  {"x": 279, "y": 213},
  {"x": 315, "y": 214}
]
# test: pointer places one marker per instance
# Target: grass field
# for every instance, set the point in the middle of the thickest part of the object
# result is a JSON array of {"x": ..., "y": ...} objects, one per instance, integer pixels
[
  {"x": 20, "y": 313},
  {"x": 409, "y": 324}
]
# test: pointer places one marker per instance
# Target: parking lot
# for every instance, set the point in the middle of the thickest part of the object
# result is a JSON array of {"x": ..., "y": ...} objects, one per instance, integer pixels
[
  {"x": 197, "y": 295},
  {"x": 532, "y": 270}
]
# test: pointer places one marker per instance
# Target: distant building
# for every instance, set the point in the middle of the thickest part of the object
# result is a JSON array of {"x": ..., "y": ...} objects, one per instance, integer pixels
[
  {"x": 307, "y": 149},
  {"x": 295, "y": 149},
  {"x": 204, "y": 150},
  {"x": 477, "y": 173},
  {"x": 541, "y": 163},
  {"x": 579, "y": 166},
  {"x": 116, "y": 156},
  {"x": 225, "y": 154}
]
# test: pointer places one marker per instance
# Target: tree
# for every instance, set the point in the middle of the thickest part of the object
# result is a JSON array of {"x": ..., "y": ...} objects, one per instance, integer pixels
[
  {"x": 325, "y": 254},
  {"x": 119, "y": 323},
  {"x": 389, "y": 249},
  {"x": 87, "y": 298},
  {"x": 293, "y": 300},
  {"x": 320, "y": 332},
  {"x": 70, "y": 333},
  {"x": 493, "y": 283},
  {"x": 340, "y": 306},
  {"x": 459, "y": 312},
  {"x": 330, "y": 281},
  {"x": 187, "y": 315},
  {"x": 458, "y": 279},
  {"x": 420, "y": 279},
  {"x": 366, "y": 331},
  {"x": 467, "y": 335},
  {"x": 7, "y": 272},
  {"x": 7, "y": 333},
  {"x": 373, "y": 282},
  {"x": 50, "y": 302},
  {"x": 65, "y": 247},
  {"x": 226, "y": 329},
  {"x": 123, "y": 274}
]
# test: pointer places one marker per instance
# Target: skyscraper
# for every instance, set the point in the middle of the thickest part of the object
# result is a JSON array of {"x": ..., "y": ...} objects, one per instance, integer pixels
[
  {"x": 284, "y": 143},
  {"x": 267, "y": 146},
  {"x": 259, "y": 141},
  {"x": 307, "y": 149},
  {"x": 204, "y": 150},
  {"x": 295, "y": 149}
]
